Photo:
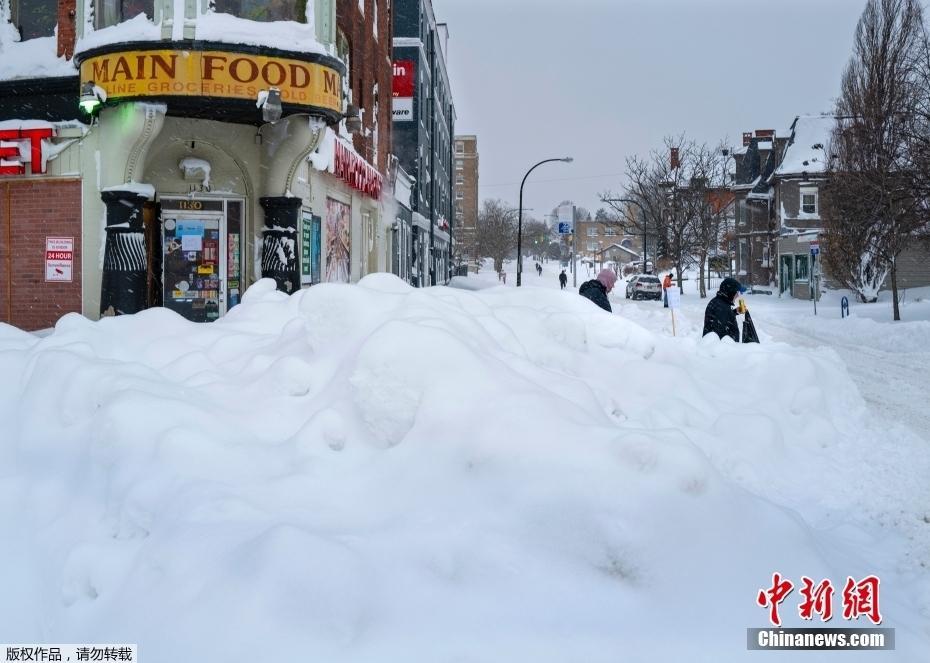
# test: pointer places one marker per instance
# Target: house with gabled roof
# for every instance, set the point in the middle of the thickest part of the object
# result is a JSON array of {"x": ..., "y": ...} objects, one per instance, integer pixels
[{"x": 797, "y": 184}]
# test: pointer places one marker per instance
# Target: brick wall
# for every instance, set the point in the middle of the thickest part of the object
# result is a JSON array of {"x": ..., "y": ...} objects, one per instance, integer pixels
[
  {"x": 371, "y": 66},
  {"x": 66, "y": 28},
  {"x": 37, "y": 208}
]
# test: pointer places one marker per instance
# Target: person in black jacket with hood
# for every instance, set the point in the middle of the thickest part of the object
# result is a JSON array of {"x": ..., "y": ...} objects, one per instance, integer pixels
[
  {"x": 596, "y": 289},
  {"x": 719, "y": 317}
]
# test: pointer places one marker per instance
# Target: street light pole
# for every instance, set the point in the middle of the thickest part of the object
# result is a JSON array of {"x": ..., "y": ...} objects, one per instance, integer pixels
[
  {"x": 520, "y": 216},
  {"x": 642, "y": 211}
]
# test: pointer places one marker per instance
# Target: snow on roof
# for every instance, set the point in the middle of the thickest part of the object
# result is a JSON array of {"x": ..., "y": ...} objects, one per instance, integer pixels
[
  {"x": 286, "y": 35},
  {"x": 217, "y": 27},
  {"x": 801, "y": 156},
  {"x": 139, "y": 28},
  {"x": 33, "y": 58}
]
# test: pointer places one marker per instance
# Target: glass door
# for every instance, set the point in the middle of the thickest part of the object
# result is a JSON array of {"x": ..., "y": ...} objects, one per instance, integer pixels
[{"x": 195, "y": 256}]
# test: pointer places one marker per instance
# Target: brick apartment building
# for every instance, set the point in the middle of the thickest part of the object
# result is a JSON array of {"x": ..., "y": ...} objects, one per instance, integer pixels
[{"x": 466, "y": 200}]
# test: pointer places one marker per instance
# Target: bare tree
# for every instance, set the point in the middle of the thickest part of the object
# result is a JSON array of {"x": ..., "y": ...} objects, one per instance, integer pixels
[
  {"x": 707, "y": 205},
  {"x": 496, "y": 232},
  {"x": 874, "y": 187}
]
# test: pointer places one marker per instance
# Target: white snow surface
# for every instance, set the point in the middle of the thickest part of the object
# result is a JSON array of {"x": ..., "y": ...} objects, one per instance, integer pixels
[
  {"x": 286, "y": 35},
  {"x": 800, "y": 155},
  {"x": 138, "y": 28},
  {"x": 33, "y": 58},
  {"x": 373, "y": 472}
]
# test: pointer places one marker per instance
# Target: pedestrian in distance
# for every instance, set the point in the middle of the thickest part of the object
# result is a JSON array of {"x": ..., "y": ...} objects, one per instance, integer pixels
[
  {"x": 666, "y": 284},
  {"x": 563, "y": 280},
  {"x": 597, "y": 289},
  {"x": 721, "y": 311}
]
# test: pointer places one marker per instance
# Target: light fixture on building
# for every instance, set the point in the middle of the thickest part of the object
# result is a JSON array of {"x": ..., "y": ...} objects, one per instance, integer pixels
[
  {"x": 90, "y": 99},
  {"x": 353, "y": 119},
  {"x": 270, "y": 103}
]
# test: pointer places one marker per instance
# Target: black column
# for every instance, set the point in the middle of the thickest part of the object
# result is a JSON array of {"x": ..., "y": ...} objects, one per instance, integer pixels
[
  {"x": 123, "y": 288},
  {"x": 279, "y": 246}
]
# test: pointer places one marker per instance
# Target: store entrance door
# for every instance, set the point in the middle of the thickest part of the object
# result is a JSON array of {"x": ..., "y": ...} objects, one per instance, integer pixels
[{"x": 201, "y": 259}]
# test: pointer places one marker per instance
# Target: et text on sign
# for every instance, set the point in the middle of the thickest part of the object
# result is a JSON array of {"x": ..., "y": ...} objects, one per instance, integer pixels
[{"x": 59, "y": 259}]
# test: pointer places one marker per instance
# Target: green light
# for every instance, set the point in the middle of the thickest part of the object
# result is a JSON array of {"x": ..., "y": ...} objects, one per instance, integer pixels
[{"x": 90, "y": 106}]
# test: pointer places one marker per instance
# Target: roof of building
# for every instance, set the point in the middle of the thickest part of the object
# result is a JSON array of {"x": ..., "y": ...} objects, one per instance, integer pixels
[{"x": 806, "y": 151}]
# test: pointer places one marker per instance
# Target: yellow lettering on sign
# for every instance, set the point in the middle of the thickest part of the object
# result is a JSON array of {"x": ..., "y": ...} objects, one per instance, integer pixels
[{"x": 161, "y": 73}]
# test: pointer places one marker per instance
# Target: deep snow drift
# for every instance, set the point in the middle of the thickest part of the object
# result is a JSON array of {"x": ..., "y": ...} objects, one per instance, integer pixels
[{"x": 377, "y": 473}]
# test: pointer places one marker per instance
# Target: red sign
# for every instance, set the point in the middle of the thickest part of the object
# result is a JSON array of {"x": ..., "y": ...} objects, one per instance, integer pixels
[
  {"x": 11, "y": 157},
  {"x": 404, "y": 78},
  {"x": 356, "y": 172},
  {"x": 860, "y": 599}
]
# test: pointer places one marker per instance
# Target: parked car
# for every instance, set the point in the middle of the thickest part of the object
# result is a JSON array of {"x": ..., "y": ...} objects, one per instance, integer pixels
[{"x": 644, "y": 286}]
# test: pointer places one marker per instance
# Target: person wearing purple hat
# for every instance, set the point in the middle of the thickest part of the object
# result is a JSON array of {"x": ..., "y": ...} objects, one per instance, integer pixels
[{"x": 596, "y": 289}]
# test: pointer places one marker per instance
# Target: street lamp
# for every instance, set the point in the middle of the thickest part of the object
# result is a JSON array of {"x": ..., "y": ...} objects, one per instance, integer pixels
[
  {"x": 520, "y": 215},
  {"x": 727, "y": 155},
  {"x": 641, "y": 211}
]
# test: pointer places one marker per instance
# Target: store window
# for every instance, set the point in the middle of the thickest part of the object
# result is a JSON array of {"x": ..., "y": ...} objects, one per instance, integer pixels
[
  {"x": 35, "y": 18},
  {"x": 111, "y": 12},
  {"x": 801, "y": 272},
  {"x": 264, "y": 10}
]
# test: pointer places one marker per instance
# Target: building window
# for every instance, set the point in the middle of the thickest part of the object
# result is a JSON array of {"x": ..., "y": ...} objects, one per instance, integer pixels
[
  {"x": 460, "y": 147},
  {"x": 459, "y": 195},
  {"x": 459, "y": 164},
  {"x": 592, "y": 232},
  {"x": 809, "y": 201},
  {"x": 800, "y": 268},
  {"x": 610, "y": 231},
  {"x": 592, "y": 246},
  {"x": 111, "y": 12},
  {"x": 460, "y": 179},
  {"x": 35, "y": 18},
  {"x": 263, "y": 10}
]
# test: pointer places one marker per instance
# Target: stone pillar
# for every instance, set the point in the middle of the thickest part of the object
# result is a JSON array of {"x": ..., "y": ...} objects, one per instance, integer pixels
[
  {"x": 123, "y": 286},
  {"x": 279, "y": 244}
]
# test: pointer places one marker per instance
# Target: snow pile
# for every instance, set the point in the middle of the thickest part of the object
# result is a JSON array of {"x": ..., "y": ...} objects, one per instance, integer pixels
[{"x": 378, "y": 473}]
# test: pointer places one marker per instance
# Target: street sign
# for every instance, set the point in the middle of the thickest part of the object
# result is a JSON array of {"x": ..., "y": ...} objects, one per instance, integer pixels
[
  {"x": 815, "y": 247},
  {"x": 565, "y": 228}
]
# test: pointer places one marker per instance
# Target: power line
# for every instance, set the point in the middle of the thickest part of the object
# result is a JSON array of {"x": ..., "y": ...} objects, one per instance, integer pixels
[{"x": 563, "y": 179}]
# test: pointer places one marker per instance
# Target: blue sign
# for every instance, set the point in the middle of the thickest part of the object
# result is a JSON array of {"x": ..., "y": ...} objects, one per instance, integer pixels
[
  {"x": 565, "y": 228},
  {"x": 815, "y": 250}
]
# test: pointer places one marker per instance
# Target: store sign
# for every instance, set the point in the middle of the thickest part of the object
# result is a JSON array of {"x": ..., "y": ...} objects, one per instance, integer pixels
[
  {"x": 21, "y": 146},
  {"x": 59, "y": 259},
  {"x": 226, "y": 75},
  {"x": 356, "y": 172},
  {"x": 403, "y": 89}
]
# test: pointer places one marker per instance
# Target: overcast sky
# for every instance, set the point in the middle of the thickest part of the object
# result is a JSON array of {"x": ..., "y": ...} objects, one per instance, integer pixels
[{"x": 600, "y": 80}]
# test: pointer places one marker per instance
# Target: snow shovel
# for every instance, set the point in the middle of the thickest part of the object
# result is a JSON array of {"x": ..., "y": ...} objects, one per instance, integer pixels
[{"x": 749, "y": 330}]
